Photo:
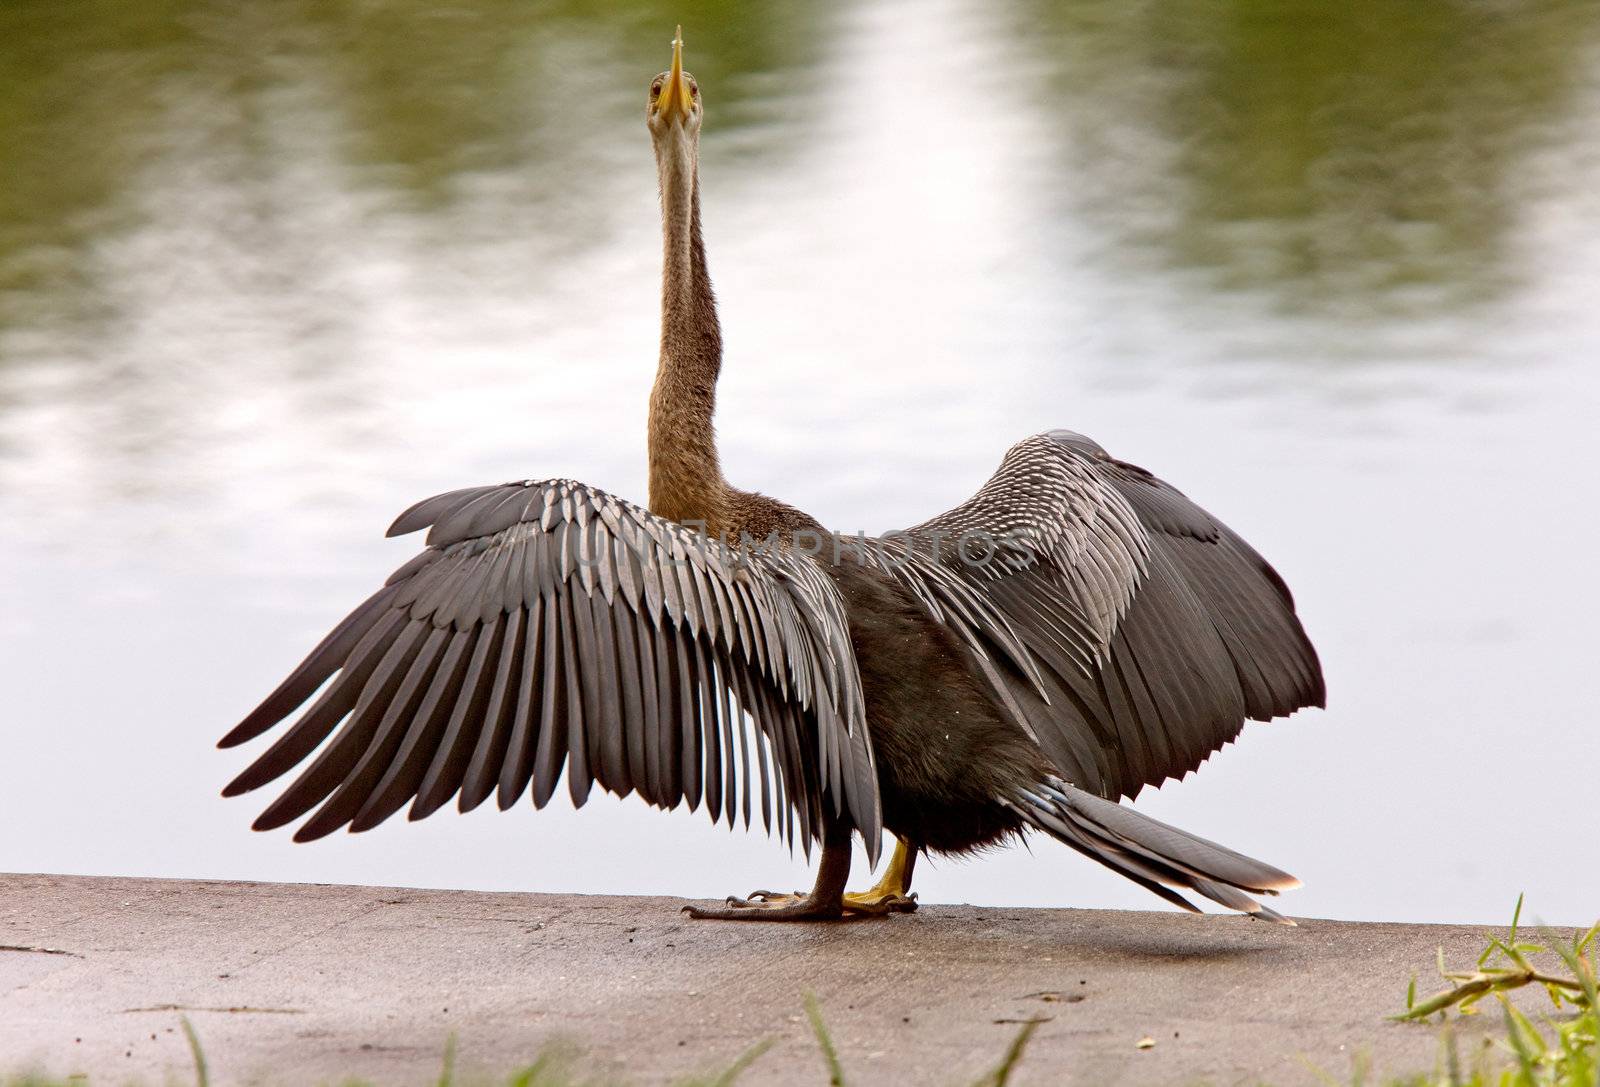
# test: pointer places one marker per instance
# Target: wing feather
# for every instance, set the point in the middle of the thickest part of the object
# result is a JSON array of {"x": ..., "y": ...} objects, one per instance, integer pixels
[
  {"x": 324, "y": 716},
  {"x": 449, "y": 767},
  {"x": 369, "y": 761},
  {"x": 1152, "y": 630},
  {"x": 402, "y": 779},
  {"x": 339, "y": 647},
  {"x": 709, "y": 728},
  {"x": 550, "y": 628},
  {"x": 552, "y": 747},
  {"x": 676, "y": 688},
  {"x": 488, "y": 758},
  {"x": 580, "y": 776},
  {"x": 336, "y": 760},
  {"x": 522, "y": 741}
]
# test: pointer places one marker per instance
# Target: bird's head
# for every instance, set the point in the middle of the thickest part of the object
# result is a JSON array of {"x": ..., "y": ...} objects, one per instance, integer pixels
[{"x": 674, "y": 110}]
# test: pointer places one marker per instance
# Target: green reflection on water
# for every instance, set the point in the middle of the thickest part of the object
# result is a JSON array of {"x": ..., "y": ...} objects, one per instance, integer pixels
[
  {"x": 416, "y": 95},
  {"x": 1333, "y": 152}
]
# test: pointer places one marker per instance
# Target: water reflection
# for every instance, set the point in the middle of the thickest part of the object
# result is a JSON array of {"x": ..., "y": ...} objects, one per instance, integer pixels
[
  {"x": 269, "y": 272},
  {"x": 415, "y": 100},
  {"x": 1364, "y": 156},
  {"x": 219, "y": 201}
]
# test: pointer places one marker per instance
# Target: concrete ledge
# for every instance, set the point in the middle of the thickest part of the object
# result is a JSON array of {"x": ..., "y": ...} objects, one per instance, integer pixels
[{"x": 293, "y": 984}]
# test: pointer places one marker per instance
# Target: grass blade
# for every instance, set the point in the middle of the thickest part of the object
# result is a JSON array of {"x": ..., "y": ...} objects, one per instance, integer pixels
[
  {"x": 746, "y": 1059},
  {"x": 1013, "y": 1056},
  {"x": 447, "y": 1073},
  {"x": 202, "y": 1076},
  {"x": 820, "y": 1029}
]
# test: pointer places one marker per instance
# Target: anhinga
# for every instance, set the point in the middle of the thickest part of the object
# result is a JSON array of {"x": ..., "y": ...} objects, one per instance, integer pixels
[{"x": 1074, "y": 631}]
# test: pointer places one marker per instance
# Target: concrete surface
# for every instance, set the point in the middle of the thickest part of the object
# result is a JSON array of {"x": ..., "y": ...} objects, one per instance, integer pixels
[{"x": 293, "y": 984}]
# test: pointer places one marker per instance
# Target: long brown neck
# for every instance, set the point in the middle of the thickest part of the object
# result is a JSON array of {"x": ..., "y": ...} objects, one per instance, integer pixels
[{"x": 686, "y": 481}]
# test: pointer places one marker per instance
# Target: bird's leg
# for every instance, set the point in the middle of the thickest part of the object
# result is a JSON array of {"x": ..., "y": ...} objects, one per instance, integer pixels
[
  {"x": 824, "y": 903},
  {"x": 892, "y": 893}
]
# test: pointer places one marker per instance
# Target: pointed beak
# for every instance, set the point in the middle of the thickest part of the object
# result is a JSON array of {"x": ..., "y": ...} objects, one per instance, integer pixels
[{"x": 675, "y": 100}]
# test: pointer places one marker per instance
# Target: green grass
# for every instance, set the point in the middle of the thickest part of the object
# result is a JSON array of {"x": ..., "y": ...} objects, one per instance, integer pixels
[{"x": 1559, "y": 1048}]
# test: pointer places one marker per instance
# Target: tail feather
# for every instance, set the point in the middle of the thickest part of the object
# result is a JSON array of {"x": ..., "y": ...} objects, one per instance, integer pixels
[
  {"x": 1121, "y": 863},
  {"x": 1151, "y": 853},
  {"x": 1235, "y": 899},
  {"x": 1173, "y": 843}
]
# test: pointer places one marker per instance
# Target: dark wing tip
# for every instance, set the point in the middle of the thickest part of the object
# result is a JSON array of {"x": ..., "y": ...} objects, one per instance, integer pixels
[
  {"x": 1319, "y": 692},
  {"x": 260, "y": 720},
  {"x": 242, "y": 732},
  {"x": 330, "y": 817},
  {"x": 272, "y": 819},
  {"x": 254, "y": 776},
  {"x": 311, "y": 832},
  {"x": 424, "y": 806}
]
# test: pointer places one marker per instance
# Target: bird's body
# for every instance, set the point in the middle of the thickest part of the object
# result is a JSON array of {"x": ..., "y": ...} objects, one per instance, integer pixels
[
  {"x": 944, "y": 754},
  {"x": 1076, "y": 630}
]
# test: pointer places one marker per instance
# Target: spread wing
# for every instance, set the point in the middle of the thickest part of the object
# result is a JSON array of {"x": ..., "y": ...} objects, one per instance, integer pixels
[
  {"x": 549, "y": 625},
  {"x": 1151, "y": 630}
]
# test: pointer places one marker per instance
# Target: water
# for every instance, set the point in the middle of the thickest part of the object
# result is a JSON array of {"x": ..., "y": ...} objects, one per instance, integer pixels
[{"x": 270, "y": 272}]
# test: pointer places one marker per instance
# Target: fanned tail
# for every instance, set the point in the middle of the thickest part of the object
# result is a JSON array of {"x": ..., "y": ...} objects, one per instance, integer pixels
[{"x": 1151, "y": 853}]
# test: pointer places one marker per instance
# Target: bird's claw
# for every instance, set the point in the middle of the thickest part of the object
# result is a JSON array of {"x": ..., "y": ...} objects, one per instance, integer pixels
[
  {"x": 869, "y": 904},
  {"x": 776, "y": 906}
]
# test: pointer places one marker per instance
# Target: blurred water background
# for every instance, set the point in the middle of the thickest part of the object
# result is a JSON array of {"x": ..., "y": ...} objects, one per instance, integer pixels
[{"x": 270, "y": 271}]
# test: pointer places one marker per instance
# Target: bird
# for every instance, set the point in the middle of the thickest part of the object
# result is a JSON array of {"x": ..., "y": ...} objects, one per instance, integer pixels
[{"x": 1076, "y": 630}]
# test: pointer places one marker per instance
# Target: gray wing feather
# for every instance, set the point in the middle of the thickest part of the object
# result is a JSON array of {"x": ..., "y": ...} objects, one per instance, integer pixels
[
  {"x": 550, "y": 625},
  {"x": 1046, "y": 507},
  {"x": 1151, "y": 631}
]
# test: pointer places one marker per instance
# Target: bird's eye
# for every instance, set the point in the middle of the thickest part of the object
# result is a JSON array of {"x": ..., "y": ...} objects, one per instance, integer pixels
[
  {"x": 694, "y": 91},
  {"x": 655, "y": 88}
]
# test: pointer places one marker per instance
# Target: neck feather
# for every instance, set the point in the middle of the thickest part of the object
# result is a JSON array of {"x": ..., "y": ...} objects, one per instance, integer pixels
[{"x": 686, "y": 481}]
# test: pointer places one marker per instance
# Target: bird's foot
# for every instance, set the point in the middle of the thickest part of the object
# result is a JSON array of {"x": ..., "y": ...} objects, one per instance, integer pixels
[
  {"x": 799, "y": 906},
  {"x": 877, "y": 903},
  {"x": 770, "y": 906}
]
